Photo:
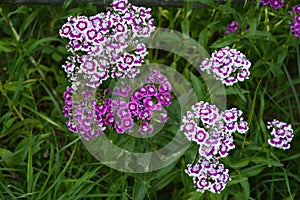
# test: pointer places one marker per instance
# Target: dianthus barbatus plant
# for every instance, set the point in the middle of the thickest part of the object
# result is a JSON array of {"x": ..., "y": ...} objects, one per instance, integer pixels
[{"x": 107, "y": 45}]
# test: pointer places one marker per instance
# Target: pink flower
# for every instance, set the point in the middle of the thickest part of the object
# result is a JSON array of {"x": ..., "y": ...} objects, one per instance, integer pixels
[{"x": 232, "y": 27}]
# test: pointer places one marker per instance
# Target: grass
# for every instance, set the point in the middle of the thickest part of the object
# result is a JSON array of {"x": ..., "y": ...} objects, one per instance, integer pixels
[{"x": 42, "y": 159}]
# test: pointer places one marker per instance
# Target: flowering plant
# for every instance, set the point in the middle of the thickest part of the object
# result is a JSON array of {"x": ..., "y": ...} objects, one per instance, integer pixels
[
  {"x": 215, "y": 140},
  {"x": 99, "y": 43},
  {"x": 194, "y": 99},
  {"x": 228, "y": 65},
  {"x": 110, "y": 46}
]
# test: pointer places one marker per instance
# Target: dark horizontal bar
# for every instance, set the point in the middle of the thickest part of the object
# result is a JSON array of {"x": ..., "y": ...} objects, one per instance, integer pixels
[{"x": 147, "y": 3}]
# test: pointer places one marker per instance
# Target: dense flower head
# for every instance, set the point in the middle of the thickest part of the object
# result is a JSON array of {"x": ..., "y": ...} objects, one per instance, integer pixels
[
  {"x": 232, "y": 27},
  {"x": 215, "y": 136},
  {"x": 228, "y": 65},
  {"x": 142, "y": 105},
  {"x": 276, "y": 3},
  {"x": 212, "y": 130},
  {"x": 208, "y": 174},
  {"x": 81, "y": 119},
  {"x": 295, "y": 24},
  {"x": 273, "y": 3},
  {"x": 99, "y": 43},
  {"x": 282, "y": 134},
  {"x": 296, "y": 9},
  {"x": 89, "y": 113}
]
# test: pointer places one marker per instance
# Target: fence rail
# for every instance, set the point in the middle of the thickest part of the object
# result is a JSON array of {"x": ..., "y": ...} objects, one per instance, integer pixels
[{"x": 148, "y": 3}]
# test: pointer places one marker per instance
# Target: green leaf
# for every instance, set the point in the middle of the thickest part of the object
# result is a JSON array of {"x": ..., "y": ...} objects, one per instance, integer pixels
[
  {"x": 43, "y": 116},
  {"x": 164, "y": 181},
  {"x": 275, "y": 69},
  {"x": 11, "y": 86},
  {"x": 185, "y": 27},
  {"x": 234, "y": 90},
  {"x": 7, "y": 157},
  {"x": 20, "y": 10},
  {"x": 214, "y": 196},
  {"x": 35, "y": 146},
  {"x": 57, "y": 57},
  {"x": 275, "y": 163},
  {"x": 167, "y": 14},
  {"x": 30, "y": 18},
  {"x": 197, "y": 86},
  {"x": 225, "y": 41},
  {"x": 6, "y": 46},
  {"x": 66, "y": 4},
  {"x": 5, "y": 188},
  {"x": 259, "y": 34},
  {"x": 240, "y": 163},
  {"x": 203, "y": 38},
  {"x": 282, "y": 54},
  {"x": 236, "y": 179},
  {"x": 246, "y": 188},
  {"x": 292, "y": 157},
  {"x": 160, "y": 173},
  {"x": 266, "y": 161},
  {"x": 240, "y": 92},
  {"x": 252, "y": 21},
  {"x": 34, "y": 46},
  {"x": 226, "y": 9},
  {"x": 252, "y": 171},
  {"x": 140, "y": 188},
  {"x": 8, "y": 124}
]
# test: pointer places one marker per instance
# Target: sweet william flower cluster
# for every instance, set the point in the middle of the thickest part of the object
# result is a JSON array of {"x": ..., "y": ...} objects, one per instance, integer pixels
[
  {"x": 108, "y": 46},
  {"x": 227, "y": 65},
  {"x": 282, "y": 134},
  {"x": 99, "y": 43},
  {"x": 273, "y": 3},
  {"x": 81, "y": 118},
  {"x": 295, "y": 24},
  {"x": 212, "y": 130},
  {"x": 142, "y": 105},
  {"x": 208, "y": 175},
  {"x": 90, "y": 113}
]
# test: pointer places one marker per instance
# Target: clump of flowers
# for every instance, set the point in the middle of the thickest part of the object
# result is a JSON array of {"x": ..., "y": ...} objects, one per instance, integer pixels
[
  {"x": 295, "y": 24},
  {"x": 227, "y": 65},
  {"x": 282, "y": 134},
  {"x": 273, "y": 3},
  {"x": 208, "y": 175},
  {"x": 232, "y": 27},
  {"x": 142, "y": 105},
  {"x": 212, "y": 131},
  {"x": 81, "y": 118},
  {"x": 110, "y": 45},
  {"x": 89, "y": 113},
  {"x": 107, "y": 45}
]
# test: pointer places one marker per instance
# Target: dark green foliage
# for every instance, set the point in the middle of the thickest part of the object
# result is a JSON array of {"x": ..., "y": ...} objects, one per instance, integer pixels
[{"x": 42, "y": 159}]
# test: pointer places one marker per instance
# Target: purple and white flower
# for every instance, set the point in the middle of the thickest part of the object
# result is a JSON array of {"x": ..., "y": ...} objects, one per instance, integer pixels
[
  {"x": 227, "y": 65},
  {"x": 208, "y": 174},
  {"x": 105, "y": 37},
  {"x": 296, "y": 9},
  {"x": 232, "y": 27},
  {"x": 295, "y": 24},
  {"x": 215, "y": 137},
  {"x": 282, "y": 134}
]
